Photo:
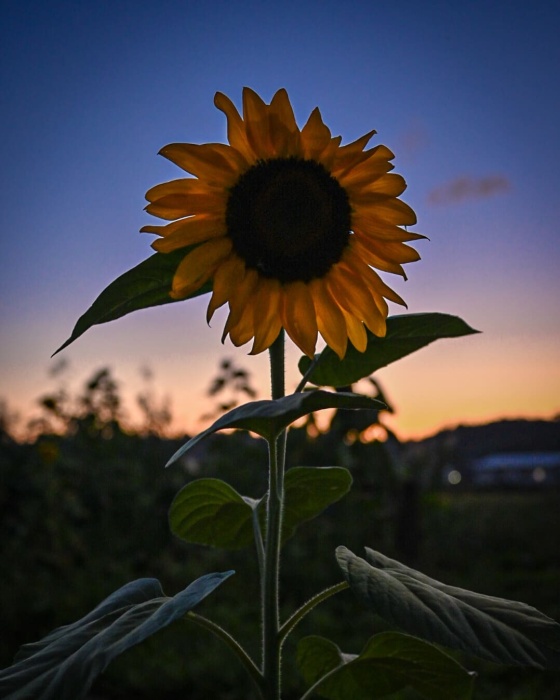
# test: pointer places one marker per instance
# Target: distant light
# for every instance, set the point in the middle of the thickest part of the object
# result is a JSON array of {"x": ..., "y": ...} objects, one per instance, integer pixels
[
  {"x": 539, "y": 474},
  {"x": 454, "y": 477}
]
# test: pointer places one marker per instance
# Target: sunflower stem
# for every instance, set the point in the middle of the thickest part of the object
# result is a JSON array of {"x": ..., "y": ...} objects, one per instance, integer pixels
[
  {"x": 259, "y": 545},
  {"x": 276, "y": 352},
  {"x": 270, "y": 596}
]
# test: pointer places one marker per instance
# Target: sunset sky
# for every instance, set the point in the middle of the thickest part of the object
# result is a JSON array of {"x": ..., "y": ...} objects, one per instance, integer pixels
[{"x": 465, "y": 94}]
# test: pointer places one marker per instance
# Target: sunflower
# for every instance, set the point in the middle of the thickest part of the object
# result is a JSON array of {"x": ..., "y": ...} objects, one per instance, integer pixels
[{"x": 287, "y": 225}]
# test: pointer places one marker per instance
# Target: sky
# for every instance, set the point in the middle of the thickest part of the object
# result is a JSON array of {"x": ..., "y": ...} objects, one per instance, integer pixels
[{"x": 465, "y": 94}]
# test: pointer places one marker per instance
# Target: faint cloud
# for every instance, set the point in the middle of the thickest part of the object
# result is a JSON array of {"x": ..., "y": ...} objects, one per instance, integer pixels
[
  {"x": 469, "y": 188},
  {"x": 413, "y": 141}
]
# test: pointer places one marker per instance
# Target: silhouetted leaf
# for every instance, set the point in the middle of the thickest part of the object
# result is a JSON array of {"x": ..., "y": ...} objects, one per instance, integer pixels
[
  {"x": 308, "y": 491},
  {"x": 148, "y": 284},
  {"x": 64, "y": 664},
  {"x": 389, "y": 662},
  {"x": 211, "y": 512},
  {"x": 405, "y": 334},
  {"x": 499, "y": 630},
  {"x": 268, "y": 418}
]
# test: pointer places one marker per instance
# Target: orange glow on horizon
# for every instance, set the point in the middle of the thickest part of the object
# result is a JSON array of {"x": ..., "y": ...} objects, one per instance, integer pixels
[{"x": 470, "y": 380}]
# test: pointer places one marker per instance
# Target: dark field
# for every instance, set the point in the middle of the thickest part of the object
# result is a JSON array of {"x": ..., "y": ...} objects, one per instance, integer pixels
[{"x": 83, "y": 515}]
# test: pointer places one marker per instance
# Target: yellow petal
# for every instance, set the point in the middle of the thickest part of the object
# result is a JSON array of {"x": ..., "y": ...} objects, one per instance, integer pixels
[
  {"x": 239, "y": 299},
  {"x": 267, "y": 316},
  {"x": 168, "y": 229},
  {"x": 389, "y": 185},
  {"x": 315, "y": 136},
  {"x": 381, "y": 152},
  {"x": 177, "y": 206},
  {"x": 255, "y": 116},
  {"x": 356, "y": 331},
  {"x": 350, "y": 150},
  {"x": 373, "y": 280},
  {"x": 370, "y": 222},
  {"x": 370, "y": 228},
  {"x": 392, "y": 251},
  {"x": 370, "y": 279},
  {"x": 353, "y": 295},
  {"x": 298, "y": 316},
  {"x": 185, "y": 185},
  {"x": 281, "y": 108},
  {"x": 215, "y": 163},
  {"x": 330, "y": 319},
  {"x": 380, "y": 289},
  {"x": 382, "y": 306},
  {"x": 236, "y": 133},
  {"x": 379, "y": 327},
  {"x": 376, "y": 164},
  {"x": 226, "y": 280},
  {"x": 198, "y": 266},
  {"x": 244, "y": 330},
  {"x": 342, "y": 166},
  {"x": 188, "y": 232},
  {"x": 329, "y": 153},
  {"x": 284, "y": 133},
  {"x": 360, "y": 244},
  {"x": 391, "y": 211}
]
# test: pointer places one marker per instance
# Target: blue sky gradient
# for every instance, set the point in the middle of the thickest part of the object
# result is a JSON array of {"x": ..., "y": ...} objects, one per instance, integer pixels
[{"x": 465, "y": 94}]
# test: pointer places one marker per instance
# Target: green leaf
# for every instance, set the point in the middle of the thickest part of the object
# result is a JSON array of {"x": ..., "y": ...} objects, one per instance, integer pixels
[
  {"x": 268, "y": 418},
  {"x": 389, "y": 662},
  {"x": 148, "y": 284},
  {"x": 317, "y": 656},
  {"x": 495, "y": 629},
  {"x": 211, "y": 512},
  {"x": 308, "y": 491},
  {"x": 65, "y": 663},
  {"x": 405, "y": 334}
]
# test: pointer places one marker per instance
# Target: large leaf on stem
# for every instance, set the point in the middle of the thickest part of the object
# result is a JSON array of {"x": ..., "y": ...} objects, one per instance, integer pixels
[
  {"x": 389, "y": 662},
  {"x": 147, "y": 284},
  {"x": 268, "y": 418},
  {"x": 64, "y": 664},
  {"x": 405, "y": 334},
  {"x": 495, "y": 629},
  {"x": 211, "y": 512},
  {"x": 308, "y": 491}
]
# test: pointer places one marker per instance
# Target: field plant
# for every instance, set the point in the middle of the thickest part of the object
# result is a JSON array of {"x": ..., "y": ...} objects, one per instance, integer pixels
[{"x": 286, "y": 226}]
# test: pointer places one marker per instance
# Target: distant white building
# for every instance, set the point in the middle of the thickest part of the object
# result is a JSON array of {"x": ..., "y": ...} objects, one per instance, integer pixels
[{"x": 516, "y": 469}]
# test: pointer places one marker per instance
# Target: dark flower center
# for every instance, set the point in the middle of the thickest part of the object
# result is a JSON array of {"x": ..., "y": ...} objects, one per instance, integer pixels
[{"x": 289, "y": 219}]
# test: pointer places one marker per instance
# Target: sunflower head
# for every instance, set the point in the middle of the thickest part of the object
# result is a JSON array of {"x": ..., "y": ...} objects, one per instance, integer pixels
[{"x": 287, "y": 225}]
